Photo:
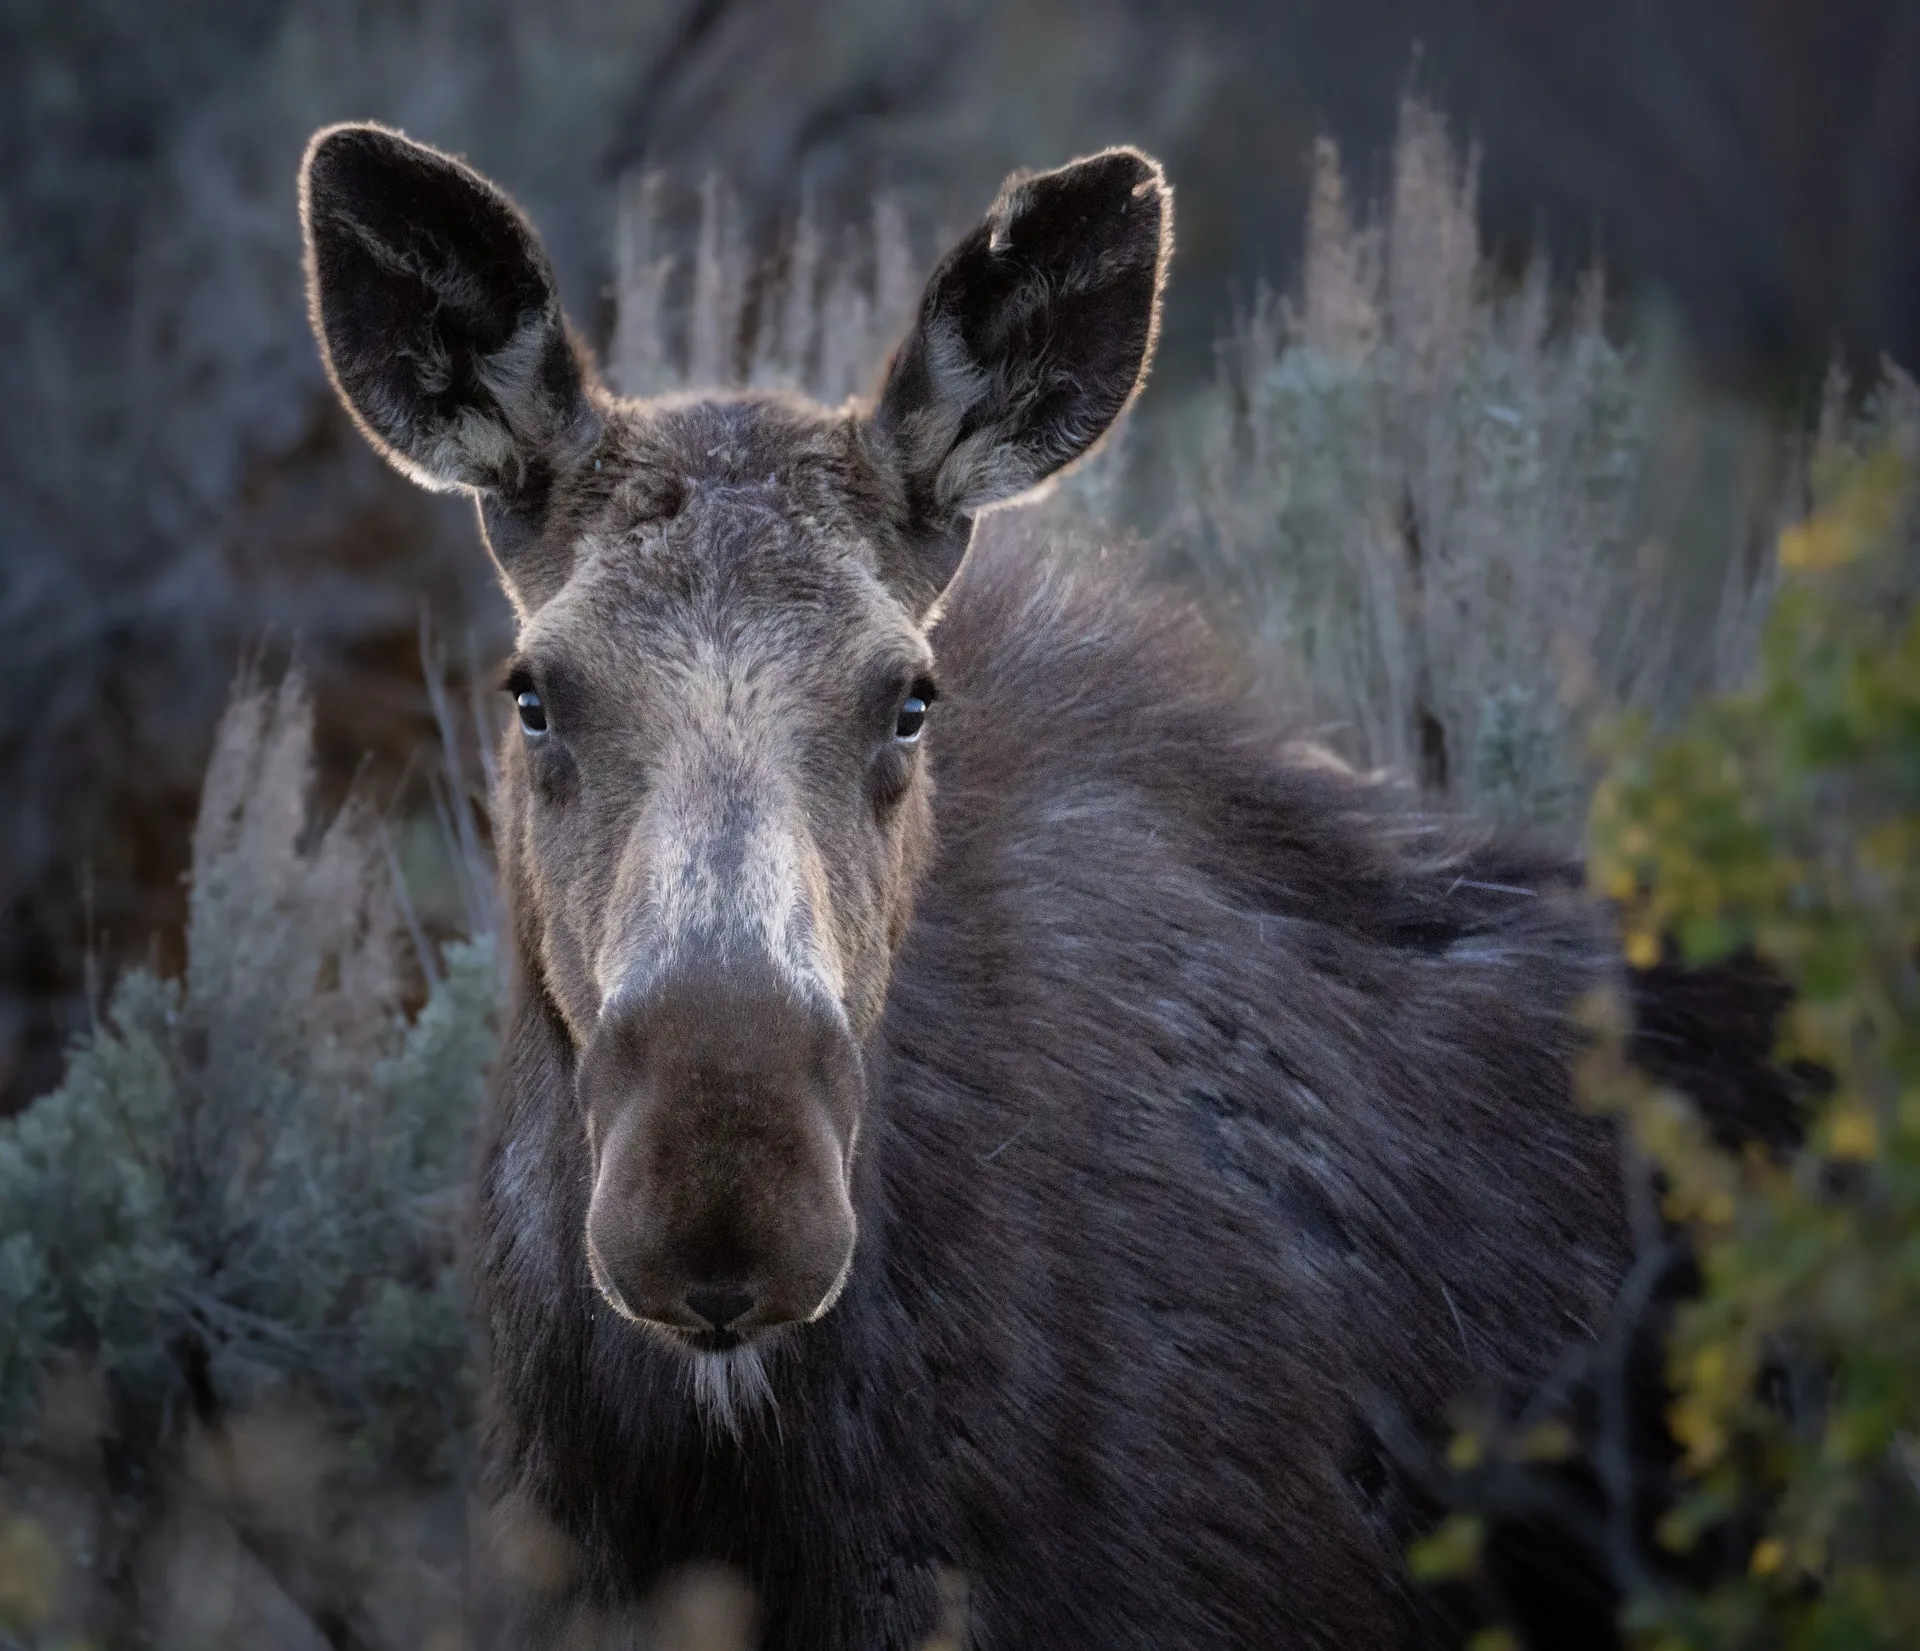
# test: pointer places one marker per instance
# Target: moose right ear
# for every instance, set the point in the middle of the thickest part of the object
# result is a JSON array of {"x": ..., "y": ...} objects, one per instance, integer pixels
[
  {"x": 439, "y": 319},
  {"x": 1034, "y": 333}
]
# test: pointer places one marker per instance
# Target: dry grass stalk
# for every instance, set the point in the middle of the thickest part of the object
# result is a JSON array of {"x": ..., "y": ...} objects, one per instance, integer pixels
[{"x": 820, "y": 316}]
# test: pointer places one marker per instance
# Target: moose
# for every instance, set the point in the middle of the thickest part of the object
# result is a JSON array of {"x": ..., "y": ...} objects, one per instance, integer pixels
[{"x": 974, "y": 1102}]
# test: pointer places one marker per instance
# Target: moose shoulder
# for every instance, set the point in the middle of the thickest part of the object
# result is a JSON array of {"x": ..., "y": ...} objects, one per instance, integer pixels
[{"x": 970, "y": 1102}]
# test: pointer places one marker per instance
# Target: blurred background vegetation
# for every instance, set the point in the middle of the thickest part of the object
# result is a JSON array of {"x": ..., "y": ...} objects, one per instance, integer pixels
[
  {"x": 1505, "y": 341},
  {"x": 176, "y": 485}
]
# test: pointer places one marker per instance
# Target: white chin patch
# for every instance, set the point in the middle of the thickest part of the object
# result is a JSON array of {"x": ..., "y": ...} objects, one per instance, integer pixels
[{"x": 729, "y": 1387}]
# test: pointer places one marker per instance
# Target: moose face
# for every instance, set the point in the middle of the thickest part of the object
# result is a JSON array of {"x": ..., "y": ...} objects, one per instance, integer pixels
[
  {"x": 716, "y": 805},
  {"x": 717, "y": 814}
]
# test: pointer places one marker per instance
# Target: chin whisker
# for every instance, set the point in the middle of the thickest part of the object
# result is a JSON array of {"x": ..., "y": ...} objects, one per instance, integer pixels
[{"x": 731, "y": 1387}]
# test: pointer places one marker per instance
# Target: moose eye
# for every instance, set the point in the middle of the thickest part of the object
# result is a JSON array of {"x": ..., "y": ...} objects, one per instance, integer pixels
[
  {"x": 533, "y": 714},
  {"x": 912, "y": 716}
]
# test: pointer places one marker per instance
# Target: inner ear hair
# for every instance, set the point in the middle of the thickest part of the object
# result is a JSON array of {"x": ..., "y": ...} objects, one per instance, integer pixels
[
  {"x": 439, "y": 318},
  {"x": 1034, "y": 334}
]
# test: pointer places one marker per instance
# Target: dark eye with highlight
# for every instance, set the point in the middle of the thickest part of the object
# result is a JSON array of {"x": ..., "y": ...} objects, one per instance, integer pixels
[
  {"x": 912, "y": 715},
  {"x": 527, "y": 701}
]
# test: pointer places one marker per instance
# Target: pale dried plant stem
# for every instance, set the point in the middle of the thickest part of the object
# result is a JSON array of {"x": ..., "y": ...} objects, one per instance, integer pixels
[{"x": 819, "y": 318}]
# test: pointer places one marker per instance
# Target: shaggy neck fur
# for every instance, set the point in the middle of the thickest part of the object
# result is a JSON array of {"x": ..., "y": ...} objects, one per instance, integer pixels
[{"x": 1220, "y": 1105}]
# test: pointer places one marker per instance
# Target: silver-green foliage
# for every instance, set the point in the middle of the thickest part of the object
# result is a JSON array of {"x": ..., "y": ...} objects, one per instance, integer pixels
[
  {"x": 1459, "y": 516},
  {"x": 247, "y": 1179}
]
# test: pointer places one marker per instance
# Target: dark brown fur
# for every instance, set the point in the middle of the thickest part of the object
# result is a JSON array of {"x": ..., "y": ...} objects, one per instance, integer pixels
[{"x": 1196, "y": 1106}]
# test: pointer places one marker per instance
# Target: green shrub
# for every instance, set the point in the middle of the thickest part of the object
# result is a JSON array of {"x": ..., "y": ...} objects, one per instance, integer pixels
[
  {"x": 1785, "y": 818},
  {"x": 1778, "y": 823},
  {"x": 246, "y": 1185}
]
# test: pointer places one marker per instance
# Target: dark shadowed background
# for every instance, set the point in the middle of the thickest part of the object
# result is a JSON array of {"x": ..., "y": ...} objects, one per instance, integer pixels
[{"x": 177, "y": 486}]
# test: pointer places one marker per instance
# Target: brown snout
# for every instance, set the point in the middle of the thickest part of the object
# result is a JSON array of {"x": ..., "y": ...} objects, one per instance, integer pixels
[{"x": 722, "y": 1109}]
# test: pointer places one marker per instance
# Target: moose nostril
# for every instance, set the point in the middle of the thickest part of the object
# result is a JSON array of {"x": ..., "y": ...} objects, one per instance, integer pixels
[{"x": 719, "y": 1304}]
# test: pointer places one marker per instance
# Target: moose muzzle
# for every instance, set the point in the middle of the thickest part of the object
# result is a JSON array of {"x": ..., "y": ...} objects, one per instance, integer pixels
[{"x": 722, "y": 1107}]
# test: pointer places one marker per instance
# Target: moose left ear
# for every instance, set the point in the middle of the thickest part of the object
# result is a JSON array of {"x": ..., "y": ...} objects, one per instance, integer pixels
[
  {"x": 437, "y": 313},
  {"x": 1034, "y": 333}
]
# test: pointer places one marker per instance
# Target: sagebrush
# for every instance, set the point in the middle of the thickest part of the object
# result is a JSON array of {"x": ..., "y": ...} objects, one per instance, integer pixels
[
  {"x": 248, "y": 1180},
  {"x": 1459, "y": 512}
]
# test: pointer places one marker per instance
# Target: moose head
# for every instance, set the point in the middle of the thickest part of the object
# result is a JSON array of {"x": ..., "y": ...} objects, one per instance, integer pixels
[{"x": 716, "y": 805}]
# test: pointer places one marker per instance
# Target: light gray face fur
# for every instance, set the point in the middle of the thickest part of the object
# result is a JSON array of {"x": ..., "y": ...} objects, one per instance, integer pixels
[
  {"x": 718, "y": 834},
  {"x": 720, "y": 782}
]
